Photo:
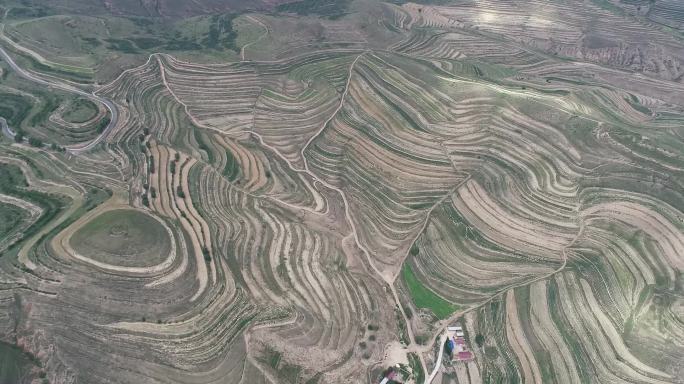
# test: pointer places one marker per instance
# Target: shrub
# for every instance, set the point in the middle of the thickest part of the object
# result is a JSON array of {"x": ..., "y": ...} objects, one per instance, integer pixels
[
  {"x": 479, "y": 340},
  {"x": 414, "y": 250},
  {"x": 103, "y": 124},
  {"x": 35, "y": 142}
]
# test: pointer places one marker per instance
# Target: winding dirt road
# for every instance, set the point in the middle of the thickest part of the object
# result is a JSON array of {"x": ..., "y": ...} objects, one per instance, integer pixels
[{"x": 76, "y": 149}]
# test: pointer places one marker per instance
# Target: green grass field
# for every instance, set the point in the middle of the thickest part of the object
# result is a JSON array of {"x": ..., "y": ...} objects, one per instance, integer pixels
[{"x": 425, "y": 298}]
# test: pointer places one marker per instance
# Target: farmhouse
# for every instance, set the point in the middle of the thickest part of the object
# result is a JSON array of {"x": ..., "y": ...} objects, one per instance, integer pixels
[
  {"x": 456, "y": 345},
  {"x": 395, "y": 375}
]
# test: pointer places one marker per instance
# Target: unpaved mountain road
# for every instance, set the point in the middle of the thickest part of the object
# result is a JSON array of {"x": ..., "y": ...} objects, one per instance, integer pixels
[{"x": 79, "y": 148}]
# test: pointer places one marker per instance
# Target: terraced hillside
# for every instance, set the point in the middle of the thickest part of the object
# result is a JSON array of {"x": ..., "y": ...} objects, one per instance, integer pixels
[{"x": 338, "y": 184}]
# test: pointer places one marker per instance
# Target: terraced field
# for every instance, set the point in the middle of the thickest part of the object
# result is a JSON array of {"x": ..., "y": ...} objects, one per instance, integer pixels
[{"x": 338, "y": 184}]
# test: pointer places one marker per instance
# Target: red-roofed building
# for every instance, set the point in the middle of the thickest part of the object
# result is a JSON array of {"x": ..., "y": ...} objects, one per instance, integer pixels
[{"x": 459, "y": 349}]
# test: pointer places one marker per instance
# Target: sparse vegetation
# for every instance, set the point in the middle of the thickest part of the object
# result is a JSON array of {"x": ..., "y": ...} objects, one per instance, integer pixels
[
  {"x": 124, "y": 237},
  {"x": 80, "y": 111},
  {"x": 14, "y": 108},
  {"x": 331, "y": 9},
  {"x": 14, "y": 364}
]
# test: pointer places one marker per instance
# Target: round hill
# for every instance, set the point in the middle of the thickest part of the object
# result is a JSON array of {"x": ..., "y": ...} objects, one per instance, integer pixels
[
  {"x": 123, "y": 237},
  {"x": 79, "y": 111}
]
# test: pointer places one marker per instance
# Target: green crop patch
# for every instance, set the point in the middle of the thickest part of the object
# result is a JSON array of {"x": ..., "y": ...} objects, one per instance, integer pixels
[{"x": 424, "y": 298}]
